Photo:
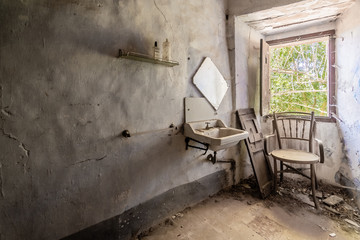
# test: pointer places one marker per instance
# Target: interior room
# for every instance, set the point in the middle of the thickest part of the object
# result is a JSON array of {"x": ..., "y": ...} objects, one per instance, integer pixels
[{"x": 102, "y": 100}]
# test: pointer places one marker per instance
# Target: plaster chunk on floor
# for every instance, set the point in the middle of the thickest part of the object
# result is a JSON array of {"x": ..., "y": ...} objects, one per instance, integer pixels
[{"x": 333, "y": 200}]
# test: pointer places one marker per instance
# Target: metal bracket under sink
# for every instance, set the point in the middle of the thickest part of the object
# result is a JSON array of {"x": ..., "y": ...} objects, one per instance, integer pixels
[{"x": 187, "y": 140}]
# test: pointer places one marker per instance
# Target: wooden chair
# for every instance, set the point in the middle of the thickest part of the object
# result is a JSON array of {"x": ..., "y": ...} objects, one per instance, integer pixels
[{"x": 294, "y": 132}]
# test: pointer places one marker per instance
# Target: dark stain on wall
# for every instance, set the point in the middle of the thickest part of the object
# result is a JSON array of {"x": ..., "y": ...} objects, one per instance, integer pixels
[{"x": 135, "y": 220}]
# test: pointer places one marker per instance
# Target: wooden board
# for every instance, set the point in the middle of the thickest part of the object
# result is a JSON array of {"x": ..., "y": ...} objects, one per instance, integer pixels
[
  {"x": 255, "y": 146},
  {"x": 264, "y": 78}
]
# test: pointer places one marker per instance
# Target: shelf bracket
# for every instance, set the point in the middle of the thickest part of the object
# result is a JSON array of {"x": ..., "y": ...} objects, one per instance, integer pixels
[{"x": 205, "y": 148}]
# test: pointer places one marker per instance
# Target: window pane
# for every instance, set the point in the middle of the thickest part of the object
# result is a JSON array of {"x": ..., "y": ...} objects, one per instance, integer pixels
[{"x": 298, "y": 76}]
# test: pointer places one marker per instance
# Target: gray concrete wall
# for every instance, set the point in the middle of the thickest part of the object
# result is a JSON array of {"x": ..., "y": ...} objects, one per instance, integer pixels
[
  {"x": 66, "y": 97},
  {"x": 348, "y": 93}
]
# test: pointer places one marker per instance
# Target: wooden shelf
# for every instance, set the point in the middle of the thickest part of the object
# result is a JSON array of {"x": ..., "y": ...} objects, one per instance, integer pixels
[{"x": 145, "y": 58}]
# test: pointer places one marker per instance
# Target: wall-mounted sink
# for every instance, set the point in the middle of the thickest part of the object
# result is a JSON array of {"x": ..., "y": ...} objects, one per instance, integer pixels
[{"x": 214, "y": 133}]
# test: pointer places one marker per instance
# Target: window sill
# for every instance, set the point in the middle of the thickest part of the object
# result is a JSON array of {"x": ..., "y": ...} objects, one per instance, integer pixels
[{"x": 324, "y": 119}]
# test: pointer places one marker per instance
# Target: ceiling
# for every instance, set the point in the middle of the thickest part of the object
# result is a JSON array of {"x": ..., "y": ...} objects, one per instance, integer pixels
[{"x": 297, "y": 15}]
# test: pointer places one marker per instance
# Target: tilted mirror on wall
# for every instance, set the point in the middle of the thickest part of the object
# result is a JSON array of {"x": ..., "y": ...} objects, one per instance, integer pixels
[{"x": 211, "y": 83}]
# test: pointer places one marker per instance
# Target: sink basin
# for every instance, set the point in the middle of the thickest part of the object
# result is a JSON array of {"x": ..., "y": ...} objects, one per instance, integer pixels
[{"x": 215, "y": 133}]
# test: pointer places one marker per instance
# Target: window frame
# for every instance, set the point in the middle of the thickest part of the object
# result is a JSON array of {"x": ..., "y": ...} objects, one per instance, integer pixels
[{"x": 265, "y": 83}]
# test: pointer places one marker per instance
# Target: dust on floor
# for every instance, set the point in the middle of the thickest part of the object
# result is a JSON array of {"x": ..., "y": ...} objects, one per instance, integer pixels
[{"x": 238, "y": 213}]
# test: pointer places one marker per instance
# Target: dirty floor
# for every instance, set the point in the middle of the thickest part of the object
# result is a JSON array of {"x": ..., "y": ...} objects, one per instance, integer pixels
[{"x": 238, "y": 213}]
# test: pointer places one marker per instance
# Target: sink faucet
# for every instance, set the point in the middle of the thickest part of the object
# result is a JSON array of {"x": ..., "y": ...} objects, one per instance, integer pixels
[{"x": 207, "y": 125}]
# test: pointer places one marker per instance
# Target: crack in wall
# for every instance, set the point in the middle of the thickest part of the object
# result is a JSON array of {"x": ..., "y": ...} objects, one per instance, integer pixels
[
  {"x": 160, "y": 11},
  {"x": 90, "y": 159},
  {"x": 167, "y": 22},
  {"x": 6, "y": 112},
  {"x": 22, "y": 146}
]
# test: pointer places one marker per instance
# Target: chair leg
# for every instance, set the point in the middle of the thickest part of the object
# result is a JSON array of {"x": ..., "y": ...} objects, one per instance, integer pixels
[
  {"x": 313, "y": 185},
  {"x": 275, "y": 176},
  {"x": 316, "y": 181}
]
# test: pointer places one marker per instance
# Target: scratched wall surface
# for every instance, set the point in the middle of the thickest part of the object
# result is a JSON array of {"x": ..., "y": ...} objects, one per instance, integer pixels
[
  {"x": 66, "y": 97},
  {"x": 348, "y": 92}
]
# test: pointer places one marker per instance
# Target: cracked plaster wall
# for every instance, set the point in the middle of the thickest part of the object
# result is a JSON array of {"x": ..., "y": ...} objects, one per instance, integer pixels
[
  {"x": 66, "y": 97},
  {"x": 348, "y": 94}
]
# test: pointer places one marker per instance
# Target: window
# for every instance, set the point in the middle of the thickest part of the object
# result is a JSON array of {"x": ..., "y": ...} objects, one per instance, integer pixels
[{"x": 298, "y": 75}]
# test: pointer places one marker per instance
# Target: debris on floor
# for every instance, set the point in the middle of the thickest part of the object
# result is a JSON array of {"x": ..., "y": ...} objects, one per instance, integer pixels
[
  {"x": 304, "y": 198},
  {"x": 178, "y": 215},
  {"x": 332, "y": 210},
  {"x": 240, "y": 212},
  {"x": 352, "y": 223},
  {"x": 245, "y": 185},
  {"x": 335, "y": 202}
]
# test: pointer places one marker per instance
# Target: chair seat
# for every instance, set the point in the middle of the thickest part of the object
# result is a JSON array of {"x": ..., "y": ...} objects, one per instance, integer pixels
[{"x": 295, "y": 156}]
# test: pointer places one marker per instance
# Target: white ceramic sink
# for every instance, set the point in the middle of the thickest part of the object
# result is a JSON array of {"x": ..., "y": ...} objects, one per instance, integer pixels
[{"x": 215, "y": 133}]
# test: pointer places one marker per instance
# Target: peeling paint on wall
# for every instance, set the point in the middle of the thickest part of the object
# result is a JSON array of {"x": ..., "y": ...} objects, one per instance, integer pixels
[
  {"x": 342, "y": 177},
  {"x": 348, "y": 95}
]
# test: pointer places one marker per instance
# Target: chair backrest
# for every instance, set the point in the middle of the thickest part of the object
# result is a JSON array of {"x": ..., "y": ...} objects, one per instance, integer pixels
[{"x": 298, "y": 126}]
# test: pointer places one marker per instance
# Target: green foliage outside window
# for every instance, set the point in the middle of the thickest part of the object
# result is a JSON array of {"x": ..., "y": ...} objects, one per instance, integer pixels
[{"x": 298, "y": 77}]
